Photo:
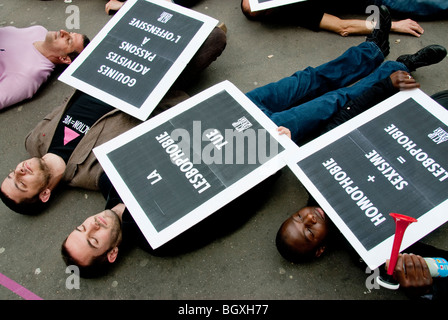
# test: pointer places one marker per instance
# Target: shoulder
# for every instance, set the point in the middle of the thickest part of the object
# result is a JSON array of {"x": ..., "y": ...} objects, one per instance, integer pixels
[
  {"x": 17, "y": 36},
  {"x": 12, "y": 29},
  {"x": 38, "y": 32},
  {"x": 36, "y": 28}
]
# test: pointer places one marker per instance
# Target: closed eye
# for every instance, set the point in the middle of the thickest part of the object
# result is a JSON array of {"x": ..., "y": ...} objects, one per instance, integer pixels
[{"x": 91, "y": 241}]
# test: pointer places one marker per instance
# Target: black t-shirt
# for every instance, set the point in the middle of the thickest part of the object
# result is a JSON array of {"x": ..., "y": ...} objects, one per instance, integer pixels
[
  {"x": 229, "y": 217},
  {"x": 75, "y": 123}
]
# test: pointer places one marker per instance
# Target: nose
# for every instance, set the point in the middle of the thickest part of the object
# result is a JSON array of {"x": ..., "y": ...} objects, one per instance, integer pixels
[
  {"x": 20, "y": 171},
  {"x": 63, "y": 32},
  {"x": 94, "y": 224},
  {"x": 310, "y": 217}
]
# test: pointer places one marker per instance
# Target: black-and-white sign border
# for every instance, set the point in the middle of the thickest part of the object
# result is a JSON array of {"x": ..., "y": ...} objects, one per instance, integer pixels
[
  {"x": 154, "y": 97},
  {"x": 426, "y": 223},
  {"x": 256, "y": 5},
  {"x": 156, "y": 239}
]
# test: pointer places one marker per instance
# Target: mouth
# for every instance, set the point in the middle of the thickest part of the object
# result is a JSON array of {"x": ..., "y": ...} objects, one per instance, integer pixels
[
  {"x": 321, "y": 213},
  {"x": 102, "y": 220},
  {"x": 27, "y": 167}
]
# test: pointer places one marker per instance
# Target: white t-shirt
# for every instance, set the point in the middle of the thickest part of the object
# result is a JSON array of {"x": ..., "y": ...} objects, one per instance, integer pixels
[{"x": 23, "y": 69}]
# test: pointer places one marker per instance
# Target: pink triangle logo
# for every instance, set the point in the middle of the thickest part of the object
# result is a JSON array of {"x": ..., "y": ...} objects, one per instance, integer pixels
[{"x": 69, "y": 135}]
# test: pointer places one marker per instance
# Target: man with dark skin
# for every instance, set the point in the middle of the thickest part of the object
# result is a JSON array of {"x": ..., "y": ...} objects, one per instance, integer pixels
[
  {"x": 304, "y": 236},
  {"x": 413, "y": 274}
]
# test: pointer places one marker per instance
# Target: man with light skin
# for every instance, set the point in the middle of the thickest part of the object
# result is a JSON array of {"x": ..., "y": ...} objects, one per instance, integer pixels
[
  {"x": 58, "y": 45},
  {"x": 97, "y": 239},
  {"x": 34, "y": 179},
  {"x": 94, "y": 245},
  {"x": 29, "y": 55},
  {"x": 61, "y": 150}
]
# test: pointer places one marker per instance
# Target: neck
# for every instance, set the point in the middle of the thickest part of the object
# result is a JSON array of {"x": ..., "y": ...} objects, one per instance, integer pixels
[
  {"x": 40, "y": 46},
  {"x": 56, "y": 166}
]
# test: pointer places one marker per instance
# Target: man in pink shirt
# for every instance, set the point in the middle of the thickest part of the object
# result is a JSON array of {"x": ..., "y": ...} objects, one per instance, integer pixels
[{"x": 29, "y": 55}]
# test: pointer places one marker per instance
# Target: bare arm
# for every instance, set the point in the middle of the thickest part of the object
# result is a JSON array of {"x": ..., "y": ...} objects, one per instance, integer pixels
[
  {"x": 346, "y": 27},
  {"x": 407, "y": 26}
]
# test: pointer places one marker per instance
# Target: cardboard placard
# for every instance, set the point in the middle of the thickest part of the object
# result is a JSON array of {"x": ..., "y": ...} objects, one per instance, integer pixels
[
  {"x": 257, "y": 5},
  {"x": 137, "y": 56},
  {"x": 390, "y": 159},
  {"x": 177, "y": 168}
]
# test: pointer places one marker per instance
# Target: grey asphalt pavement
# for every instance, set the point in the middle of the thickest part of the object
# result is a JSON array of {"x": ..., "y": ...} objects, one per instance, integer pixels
[{"x": 241, "y": 261}]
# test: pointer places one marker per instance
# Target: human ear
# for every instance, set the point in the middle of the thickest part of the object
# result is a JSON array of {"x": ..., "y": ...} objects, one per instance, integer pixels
[
  {"x": 112, "y": 255},
  {"x": 44, "y": 196},
  {"x": 319, "y": 251},
  {"x": 65, "y": 60}
]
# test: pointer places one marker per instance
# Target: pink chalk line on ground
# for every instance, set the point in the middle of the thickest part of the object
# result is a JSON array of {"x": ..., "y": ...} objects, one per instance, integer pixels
[{"x": 17, "y": 288}]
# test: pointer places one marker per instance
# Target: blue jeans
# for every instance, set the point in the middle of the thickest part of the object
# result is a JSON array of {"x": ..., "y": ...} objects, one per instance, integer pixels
[
  {"x": 306, "y": 98},
  {"x": 418, "y": 7}
]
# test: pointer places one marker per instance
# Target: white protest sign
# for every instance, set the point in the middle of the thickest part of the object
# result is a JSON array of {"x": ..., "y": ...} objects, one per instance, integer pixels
[
  {"x": 180, "y": 166},
  {"x": 390, "y": 159},
  {"x": 257, "y": 5},
  {"x": 133, "y": 61}
]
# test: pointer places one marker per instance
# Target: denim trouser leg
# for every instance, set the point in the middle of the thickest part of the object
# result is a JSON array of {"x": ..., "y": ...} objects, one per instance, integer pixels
[
  {"x": 304, "y": 85},
  {"x": 418, "y": 7},
  {"x": 305, "y": 118}
]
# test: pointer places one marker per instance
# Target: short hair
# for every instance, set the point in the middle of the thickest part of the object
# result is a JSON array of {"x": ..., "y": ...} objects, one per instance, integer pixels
[
  {"x": 287, "y": 252},
  {"x": 29, "y": 206},
  {"x": 98, "y": 267},
  {"x": 73, "y": 55}
]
